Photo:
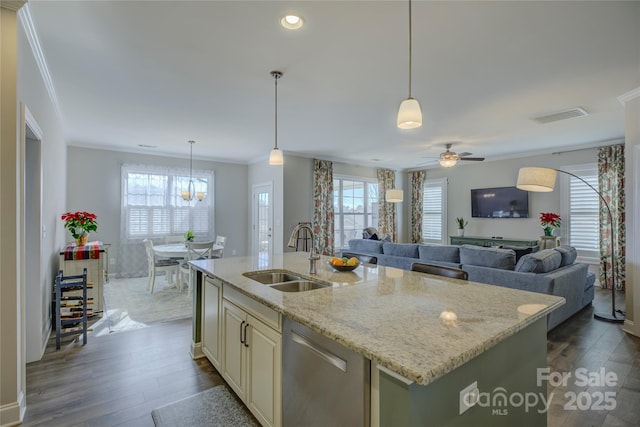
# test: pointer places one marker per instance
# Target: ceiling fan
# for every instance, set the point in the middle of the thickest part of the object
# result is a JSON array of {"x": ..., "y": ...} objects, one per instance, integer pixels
[{"x": 450, "y": 158}]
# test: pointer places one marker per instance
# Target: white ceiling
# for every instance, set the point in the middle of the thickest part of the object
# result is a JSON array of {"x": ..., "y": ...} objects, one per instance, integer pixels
[{"x": 161, "y": 73}]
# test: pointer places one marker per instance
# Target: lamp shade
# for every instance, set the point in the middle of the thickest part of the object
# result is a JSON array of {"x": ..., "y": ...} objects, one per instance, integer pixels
[
  {"x": 536, "y": 179},
  {"x": 394, "y": 195},
  {"x": 409, "y": 114},
  {"x": 275, "y": 158}
]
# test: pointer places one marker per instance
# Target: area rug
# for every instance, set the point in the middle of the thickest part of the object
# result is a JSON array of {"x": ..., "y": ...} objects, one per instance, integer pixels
[
  {"x": 128, "y": 305},
  {"x": 213, "y": 407}
]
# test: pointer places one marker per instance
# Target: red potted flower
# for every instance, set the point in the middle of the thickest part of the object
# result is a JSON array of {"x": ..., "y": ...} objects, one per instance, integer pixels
[
  {"x": 80, "y": 224},
  {"x": 549, "y": 221}
]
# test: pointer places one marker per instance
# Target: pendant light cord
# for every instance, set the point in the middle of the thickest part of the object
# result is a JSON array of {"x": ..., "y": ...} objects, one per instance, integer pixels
[
  {"x": 276, "y": 76},
  {"x": 410, "y": 49}
]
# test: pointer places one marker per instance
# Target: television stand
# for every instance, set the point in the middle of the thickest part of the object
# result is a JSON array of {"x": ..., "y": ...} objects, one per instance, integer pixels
[{"x": 492, "y": 241}]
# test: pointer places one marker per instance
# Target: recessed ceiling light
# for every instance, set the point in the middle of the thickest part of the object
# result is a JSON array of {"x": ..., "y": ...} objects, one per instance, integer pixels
[{"x": 291, "y": 22}]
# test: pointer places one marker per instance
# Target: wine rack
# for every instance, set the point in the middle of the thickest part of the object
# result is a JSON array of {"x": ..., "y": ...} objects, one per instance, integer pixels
[{"x": 72, "y": 306}]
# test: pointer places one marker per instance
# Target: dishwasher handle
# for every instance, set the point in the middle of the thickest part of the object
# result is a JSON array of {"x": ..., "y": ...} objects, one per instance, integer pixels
[{"x": 322, "y": 353}]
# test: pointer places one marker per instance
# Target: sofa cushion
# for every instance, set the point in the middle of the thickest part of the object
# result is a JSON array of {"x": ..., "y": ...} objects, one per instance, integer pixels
[
  {"x": 540, "y": 262},
  {"x": 445, "y": 253},
  {"x": 519, "y": 250},
  {"x": 409, "y": 250},
  {"x": 366, "y": 246},
  {"x": 568, "y": 253},
  {"x": 504, "y": 259}
]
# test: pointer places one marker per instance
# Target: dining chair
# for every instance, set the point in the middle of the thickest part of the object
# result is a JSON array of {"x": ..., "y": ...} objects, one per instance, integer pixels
[
  {"x": 220, "y": 240},
  {"x": 156, "y": 264},
  {"x": 196, "y": 250},
  {"x": 454, "y": 273}
]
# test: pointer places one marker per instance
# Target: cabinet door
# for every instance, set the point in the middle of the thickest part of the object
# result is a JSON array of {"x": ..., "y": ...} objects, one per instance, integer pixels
[
  {"x": 264, "y": 384},
  {"x": 233, "y": 320},
  {"x": 210, "y": 320}
]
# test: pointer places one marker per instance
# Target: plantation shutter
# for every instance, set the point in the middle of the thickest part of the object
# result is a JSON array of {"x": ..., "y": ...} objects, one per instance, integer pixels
[
  {"x": 584, "y": 225},
  {"x": 433, "y": 211}
]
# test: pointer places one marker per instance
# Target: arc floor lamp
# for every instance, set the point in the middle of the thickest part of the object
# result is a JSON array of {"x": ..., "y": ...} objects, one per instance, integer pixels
[{"x": 543, "y": 180}]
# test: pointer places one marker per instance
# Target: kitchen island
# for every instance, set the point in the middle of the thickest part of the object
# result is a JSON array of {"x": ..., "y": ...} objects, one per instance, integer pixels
[{"x": 427, "y": 337}]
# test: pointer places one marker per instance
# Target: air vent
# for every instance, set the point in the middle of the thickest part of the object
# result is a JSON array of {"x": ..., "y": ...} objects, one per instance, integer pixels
[{"x": 562, "y": 115}]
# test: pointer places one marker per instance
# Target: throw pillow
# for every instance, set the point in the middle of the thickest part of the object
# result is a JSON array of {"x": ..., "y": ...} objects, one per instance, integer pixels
[
  {"x": 539, "y": 262},
  {"x": 504, "y": 259},
  {"x": 568, "y": 253}
]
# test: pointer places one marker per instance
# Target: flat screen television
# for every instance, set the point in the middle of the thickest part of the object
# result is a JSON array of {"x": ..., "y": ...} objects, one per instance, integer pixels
[{"x": 501, "y": 202}]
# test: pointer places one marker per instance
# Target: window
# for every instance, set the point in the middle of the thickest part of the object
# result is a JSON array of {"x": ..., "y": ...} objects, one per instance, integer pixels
[
  {"x": 153, "y": 206},
  {"x": 355, "y": 205},
  {"x": 580, "y": 210},
  {"x": 434, "y": 211}
]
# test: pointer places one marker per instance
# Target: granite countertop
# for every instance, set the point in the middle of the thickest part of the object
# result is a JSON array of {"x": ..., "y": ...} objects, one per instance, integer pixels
[{"x": 416, "y": 325}]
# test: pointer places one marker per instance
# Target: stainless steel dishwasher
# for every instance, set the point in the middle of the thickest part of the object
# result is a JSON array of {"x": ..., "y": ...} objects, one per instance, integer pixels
[{"x": 324, "y": 383}]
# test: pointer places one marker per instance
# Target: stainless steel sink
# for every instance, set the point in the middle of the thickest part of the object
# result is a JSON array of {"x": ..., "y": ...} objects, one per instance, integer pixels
[
  {"x": 298, "y": 286},
  {"x": 271, "y": 277}
]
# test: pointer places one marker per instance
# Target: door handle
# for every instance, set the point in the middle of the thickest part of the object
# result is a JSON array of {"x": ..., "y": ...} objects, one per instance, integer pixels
[
  {"x": 241, "y": 338},
  {"x": 246, "y": 344}
]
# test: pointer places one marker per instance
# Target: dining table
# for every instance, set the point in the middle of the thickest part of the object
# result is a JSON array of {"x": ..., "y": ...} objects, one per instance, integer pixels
[{"x": 178, "y": 250}]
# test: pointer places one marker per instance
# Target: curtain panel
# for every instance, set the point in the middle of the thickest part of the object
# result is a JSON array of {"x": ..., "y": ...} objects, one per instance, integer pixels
[
  {"x": 323, "y": 206},
  {"x": 611, "y": 184},
  {"x": 417, "y": 193},
  {"x": 386, "y": 211}
]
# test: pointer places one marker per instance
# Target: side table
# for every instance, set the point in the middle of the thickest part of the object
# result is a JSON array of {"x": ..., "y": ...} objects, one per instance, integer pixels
[{"x": 547, "y": 242}]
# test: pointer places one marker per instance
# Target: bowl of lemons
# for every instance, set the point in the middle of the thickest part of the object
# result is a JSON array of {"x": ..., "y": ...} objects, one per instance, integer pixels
[{"x": 344, "y": 264}]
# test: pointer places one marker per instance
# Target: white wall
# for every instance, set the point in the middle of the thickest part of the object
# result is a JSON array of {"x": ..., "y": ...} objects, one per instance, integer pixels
[
  {"x": 503, "y": 173},
  {"x": 298, "y": 194},
  {"x": 94, "y": 181},
  {"x": 632, "y": 179}
]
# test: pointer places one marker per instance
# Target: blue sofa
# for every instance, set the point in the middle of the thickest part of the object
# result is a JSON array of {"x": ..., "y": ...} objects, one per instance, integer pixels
[{"x": 551, "y": 271}]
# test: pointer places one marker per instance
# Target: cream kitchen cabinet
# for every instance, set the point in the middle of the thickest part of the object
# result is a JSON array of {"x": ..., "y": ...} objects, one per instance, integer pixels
[
  {"x": 252, "y": 355},
  {"x": 212, "y": 302}
]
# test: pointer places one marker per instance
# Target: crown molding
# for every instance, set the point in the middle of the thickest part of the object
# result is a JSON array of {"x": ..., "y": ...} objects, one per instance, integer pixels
[
  {"x": 626, "y": 97},
  {"x": 12, "y": 5},
  {"x": 32, "y": 37}
]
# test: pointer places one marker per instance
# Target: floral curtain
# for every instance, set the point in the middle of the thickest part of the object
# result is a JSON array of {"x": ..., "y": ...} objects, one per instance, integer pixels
[
  {"x": 386, "y": 211},
  {"x": 417, "y": 191},
  {"x": 323, "y": 206},
  {"x": 611, "y": 185}
]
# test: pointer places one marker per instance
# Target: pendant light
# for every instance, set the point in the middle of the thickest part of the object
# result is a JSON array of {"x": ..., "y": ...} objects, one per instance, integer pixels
[
  {"x": 275, "y": 158},
  {"x": 409, "y": 114},
  {"x": 191, "y": 192}
]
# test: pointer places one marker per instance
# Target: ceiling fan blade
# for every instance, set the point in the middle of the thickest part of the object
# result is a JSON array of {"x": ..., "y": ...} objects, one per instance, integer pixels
[
  {"x": 475, "y": 159},
  {"x": 465, "y": 154}
]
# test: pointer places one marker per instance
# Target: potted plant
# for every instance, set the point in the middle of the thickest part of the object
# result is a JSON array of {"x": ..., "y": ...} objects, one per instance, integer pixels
[
  {"x": 79, "y": 225},
  {"x": 188, "y": 237},
  {"x": 549, "y": 221},
  {"x": 461, "y": 225}
]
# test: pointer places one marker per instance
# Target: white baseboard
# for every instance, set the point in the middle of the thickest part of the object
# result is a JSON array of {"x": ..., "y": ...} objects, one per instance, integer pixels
[
  {"x": 196, "y": 350},
  {"x": 12, "y": 414},
  {"x": 630, "y": 328}
]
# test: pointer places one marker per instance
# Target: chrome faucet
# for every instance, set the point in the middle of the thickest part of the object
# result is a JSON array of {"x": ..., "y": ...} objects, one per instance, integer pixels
[{"x": 313, "y": 257}]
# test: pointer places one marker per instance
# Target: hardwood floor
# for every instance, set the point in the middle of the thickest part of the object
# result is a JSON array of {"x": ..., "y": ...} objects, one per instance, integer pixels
[
  {"x": 118, "y": 379},
  {"x": 584, "y": 343}
]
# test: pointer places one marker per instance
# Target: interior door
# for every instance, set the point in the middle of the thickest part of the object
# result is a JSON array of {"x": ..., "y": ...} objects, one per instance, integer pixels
[{"x": 263, "y": 223}]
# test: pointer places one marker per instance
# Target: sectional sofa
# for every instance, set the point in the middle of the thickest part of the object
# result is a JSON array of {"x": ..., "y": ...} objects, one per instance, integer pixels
[{"x": 551, "y": 271}]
